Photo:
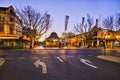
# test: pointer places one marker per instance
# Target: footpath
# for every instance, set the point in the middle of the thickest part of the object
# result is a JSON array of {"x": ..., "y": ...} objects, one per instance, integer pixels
[{"x": 109, "y": 58}]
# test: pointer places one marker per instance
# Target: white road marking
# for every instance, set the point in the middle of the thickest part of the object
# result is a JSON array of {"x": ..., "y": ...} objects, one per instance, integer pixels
[
  {"x": 60, "y": 59},
  {"x": 46, "y": 57},
  {"x": 87, "y": 62},
  {"x": 90, "y": 55},
  {"x": 80, "y": 55},
  {"x": 44, "y": 67},
  {"x": 15, "y": 58}
]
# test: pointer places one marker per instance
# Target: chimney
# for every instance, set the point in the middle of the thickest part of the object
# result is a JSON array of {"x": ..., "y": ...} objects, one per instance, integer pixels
[
  {"x": 96, "y": 23},
  {"x": 83, "y": 19}
]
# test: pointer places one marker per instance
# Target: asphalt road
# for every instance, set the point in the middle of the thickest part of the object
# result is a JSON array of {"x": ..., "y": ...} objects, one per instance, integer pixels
[{"x": 60, "y": 65}]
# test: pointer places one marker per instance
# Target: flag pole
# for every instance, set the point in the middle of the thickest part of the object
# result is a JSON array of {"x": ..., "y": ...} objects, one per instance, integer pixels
[
  {"x": 66, "y": 36},
  {"x": 83, "y": 19}
]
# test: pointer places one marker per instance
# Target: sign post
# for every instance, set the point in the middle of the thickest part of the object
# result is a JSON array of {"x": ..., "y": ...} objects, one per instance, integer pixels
[{"x": 104, "y": 31}]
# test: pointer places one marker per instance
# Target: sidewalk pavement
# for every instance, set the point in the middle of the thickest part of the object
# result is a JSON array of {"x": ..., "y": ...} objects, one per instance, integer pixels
[
  {"x": 2, "y": 60},
  {"x": 41, "y": 47},
  {"x": 109, "y": 58}
]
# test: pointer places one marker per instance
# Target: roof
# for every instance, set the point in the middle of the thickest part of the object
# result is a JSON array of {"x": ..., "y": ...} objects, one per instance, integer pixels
[
  {"x": 53, "y": 35},
  {"x": 3, "y": 8}
]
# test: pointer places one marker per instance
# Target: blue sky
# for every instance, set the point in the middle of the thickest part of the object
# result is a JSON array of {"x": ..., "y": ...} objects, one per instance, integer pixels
[{"x": 76, "y": 9}]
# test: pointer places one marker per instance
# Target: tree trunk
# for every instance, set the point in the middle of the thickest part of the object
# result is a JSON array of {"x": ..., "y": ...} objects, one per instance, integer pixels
[{"x": 32, "y": 43}]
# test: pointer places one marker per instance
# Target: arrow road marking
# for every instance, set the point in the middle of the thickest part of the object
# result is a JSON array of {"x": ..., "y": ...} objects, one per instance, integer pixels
[
  {"x": 44, "y": 67},
  {"x": 87, "y": 62}
]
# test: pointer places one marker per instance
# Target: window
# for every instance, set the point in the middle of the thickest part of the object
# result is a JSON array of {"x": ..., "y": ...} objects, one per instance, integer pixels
[
  {"x": 1, "y": 42},
  {"x": 95, "y": 33},
  {"x": 11, "y": 11},
  {"x": 11, "y": 19},
  {"x": 1, "y": 26},
  {"x": 11, "y": 30}
]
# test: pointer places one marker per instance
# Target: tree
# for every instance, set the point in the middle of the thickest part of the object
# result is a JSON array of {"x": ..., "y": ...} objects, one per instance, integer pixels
[
  {"x": 85, "y": 27},
  {"x": 108, "y": 23},
  {"x": 68, "y": 34},
  {"x": 35, "y": 23},
  {"x": 89, "y": 22},
  {"x": 80, "y": 27},
  {"x": 117, "y": 21}
]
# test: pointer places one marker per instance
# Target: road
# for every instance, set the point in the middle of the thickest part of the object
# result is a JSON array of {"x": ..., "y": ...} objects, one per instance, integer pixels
[{"x": 80, "y": 64}]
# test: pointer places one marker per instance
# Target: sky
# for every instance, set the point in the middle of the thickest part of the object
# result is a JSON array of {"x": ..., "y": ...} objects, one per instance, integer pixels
[{"x": 75, "y": 9}]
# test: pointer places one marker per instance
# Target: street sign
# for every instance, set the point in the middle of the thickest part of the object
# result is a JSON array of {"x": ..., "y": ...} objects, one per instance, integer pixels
[{"x": 104, "y": 31}]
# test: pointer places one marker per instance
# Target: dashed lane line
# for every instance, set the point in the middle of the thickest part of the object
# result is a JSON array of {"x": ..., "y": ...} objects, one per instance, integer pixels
[{"x": 60, "y": 59}]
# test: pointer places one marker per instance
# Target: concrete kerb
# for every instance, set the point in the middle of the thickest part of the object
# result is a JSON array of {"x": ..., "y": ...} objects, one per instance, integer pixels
[
  {"x": 109, "y": 58},
  {"x": 2, "y": 60}
]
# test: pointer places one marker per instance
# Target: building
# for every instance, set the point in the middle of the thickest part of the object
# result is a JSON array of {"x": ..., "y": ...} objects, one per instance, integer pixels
[
  {"x": 97, "y": 37},
  {"x": 10, "y": 29},
  {"x": 53, "y": 40}
]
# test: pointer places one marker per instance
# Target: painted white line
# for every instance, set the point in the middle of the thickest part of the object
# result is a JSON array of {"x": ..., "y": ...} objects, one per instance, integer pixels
[
  {"x": 44, "y": 67},
  {"x": 15, "y": 58},
  {"x": 90, "y": 55},
  {"x": 80, "y": 55},
  {"x": 21, "y": 58},
  {"x": 60, "y": 59},
  {"x": 46, "y": 57},
  {"x": 87, "y": 62}
]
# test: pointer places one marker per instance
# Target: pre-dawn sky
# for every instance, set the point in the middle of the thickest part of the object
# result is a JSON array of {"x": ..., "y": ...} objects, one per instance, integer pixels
[{"x": 76, "y": 9}]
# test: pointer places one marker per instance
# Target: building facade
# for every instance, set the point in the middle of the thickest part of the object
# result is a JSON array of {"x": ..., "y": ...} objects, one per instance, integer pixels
[
  {"x": 53, "y": 40},
  {"x": 10, "y": 29},
  {"x": 97, "y": 37}
]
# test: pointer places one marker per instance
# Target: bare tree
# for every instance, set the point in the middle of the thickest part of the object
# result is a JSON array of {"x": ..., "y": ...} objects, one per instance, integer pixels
[
  {"x": 85, "y": 27},
  {"x": 117, "y": 21},
  {"x": 81, "y": 27},
  {"x": 89, "y": 22},
  {"x": 34, "y": 22},
  {"x": 108, "y": 23},
  {"x": 68, "y": 34}
]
